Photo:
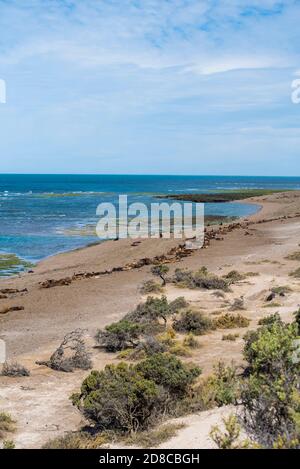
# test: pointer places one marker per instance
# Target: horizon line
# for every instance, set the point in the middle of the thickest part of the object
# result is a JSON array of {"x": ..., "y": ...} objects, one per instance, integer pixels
[{"x": 150, "y": 174}]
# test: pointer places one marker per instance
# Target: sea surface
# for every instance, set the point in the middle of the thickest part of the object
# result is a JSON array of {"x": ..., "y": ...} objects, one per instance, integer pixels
[{"x": 42, "y": 215}]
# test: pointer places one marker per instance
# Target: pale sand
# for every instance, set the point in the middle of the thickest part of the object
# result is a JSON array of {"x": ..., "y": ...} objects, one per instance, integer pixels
[{"x": 40, "y": 403}]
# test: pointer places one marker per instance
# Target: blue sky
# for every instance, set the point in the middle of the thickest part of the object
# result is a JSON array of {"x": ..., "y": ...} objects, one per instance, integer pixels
[{"x": 150, "y": 86}]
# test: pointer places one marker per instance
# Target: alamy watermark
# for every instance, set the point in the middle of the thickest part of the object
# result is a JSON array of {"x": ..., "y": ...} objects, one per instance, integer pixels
[
  {"x": 2, "y": 92},
  {"x": 295, "y": 96},
  {"x": 160, "y": 220}
]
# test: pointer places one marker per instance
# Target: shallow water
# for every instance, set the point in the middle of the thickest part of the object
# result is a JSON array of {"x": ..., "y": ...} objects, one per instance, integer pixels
[{"x": 45, "y": 214}]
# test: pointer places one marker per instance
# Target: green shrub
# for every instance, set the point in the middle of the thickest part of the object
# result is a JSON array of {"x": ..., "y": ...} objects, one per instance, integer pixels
[
  {"x": 271, "y": 319},
  {"x": 120, "y": 398},
  {"x": 281, "y": 290},
  {"x": 270, "y": 394},
  {"x": 231, "y": 321},
  {"x": 179, "y": 350},
  {"x": 193, "y": 321},
  {"x": 234, "y": 276},
  {"x": 168, "y": 371},
  {"x": 200, "y": 279},
  {"x": 218, "y": 389},
  {"x": 225, "y": 383},
  {"x": 151, "y": 311},
  {"x": 119, "y": 336},
  {"x": 297, "y": 319}
]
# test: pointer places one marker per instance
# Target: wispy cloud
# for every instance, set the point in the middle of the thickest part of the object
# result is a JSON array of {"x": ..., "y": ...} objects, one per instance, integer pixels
[{"x": 80, "y": 72}]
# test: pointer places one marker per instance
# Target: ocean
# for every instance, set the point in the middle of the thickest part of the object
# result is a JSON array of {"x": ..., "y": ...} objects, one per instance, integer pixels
[{"x": 42, "y": 215}]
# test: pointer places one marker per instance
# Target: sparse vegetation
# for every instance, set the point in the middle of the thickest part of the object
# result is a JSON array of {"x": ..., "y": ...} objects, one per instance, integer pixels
[
  {"x": 230, "y": 337},
  {"x": 294, "y": 256},
  {"x": 8, "y": 444},
  {"x": 231, "y": 321},
  {"x": 230, "y": 437},
  {"x": 77, "y": 440},
  {"x": 150, "y": 286},
  {"x": 71, "y": 354},
  {"x": 295, "y": 273},
  {"x": 190, "y": 341},
  {"x": 200, "y": 279},
  {"x": 154, "y": 438},
  {"x": 281, "y": 290},
  {"x": 237, "y": 305},
  {"x": 234, "y": 276},
  {"x": 14, "y": 370},
  {"x": 274, "y": 304},
  {"x": 7, "y": 424}
]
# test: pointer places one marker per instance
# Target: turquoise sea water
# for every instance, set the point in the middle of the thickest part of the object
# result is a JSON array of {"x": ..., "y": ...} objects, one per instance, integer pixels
[{"x": 45, "y": 214}]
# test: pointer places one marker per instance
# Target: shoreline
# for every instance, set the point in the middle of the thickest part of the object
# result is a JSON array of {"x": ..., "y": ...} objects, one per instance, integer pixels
[
  {"x": 92, "y": 300},
  {"x": 210, "y": 220}
]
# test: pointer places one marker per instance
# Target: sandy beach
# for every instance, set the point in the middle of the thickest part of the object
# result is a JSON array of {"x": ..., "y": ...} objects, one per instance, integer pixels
[{"x": 99, "y": 284}]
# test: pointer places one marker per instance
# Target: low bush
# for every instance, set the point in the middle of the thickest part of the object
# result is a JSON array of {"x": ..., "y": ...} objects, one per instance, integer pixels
[
  {"x": 119, "y": 336},
  {"x": 294, "y": 256},
  {"x": 8, "y": 444},
  {"x": 120, "y": 398},
  {"x": 151, "y": 287},
  {"x": 295, "y": 273},
  {"x": 230, "y": 438},
  {"x": 200, "y": 279},
  {"x": 237, "y": 305},
  {"x": 271, "y": 319},
  {"x": 281, "y": 290},
  {"x": 270, "y": 394},
  {"x": 14, "y": 370},
  {"x": 7, "y": 424},
  {"x": 231, "y": 321},
  {"x": 154, "y": 438},
  {"x": 179, "y": 350},
  {"x": 77, "y": 440},
  {"x": 274, "y": 304},
  {"x": 225, "y": 383},
  {"x": 230, "y": 337},
  {"x": 193, "y": 321},
  {"x": 218, "y": 389},
  {"x": 155, "y": 309},
  {"x": 71, "y": 354},
  {"x": 168, "y": 371},
  {"x": 234, "y": 276},
  {"x": 190, "y": 341}
]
